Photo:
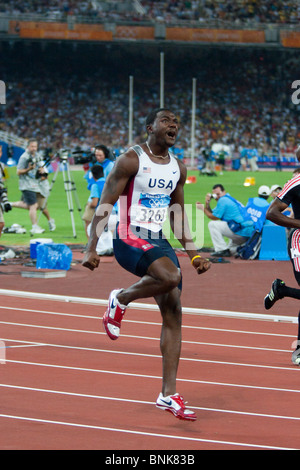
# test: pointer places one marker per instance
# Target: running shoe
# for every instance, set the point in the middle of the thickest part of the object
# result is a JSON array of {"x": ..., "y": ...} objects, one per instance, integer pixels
[
  {"x": 296, "y": 356},
  {"x": 176, "y": 405},
  {"x": 113, "y": 316},
  {"x": 274, "y": 294}
]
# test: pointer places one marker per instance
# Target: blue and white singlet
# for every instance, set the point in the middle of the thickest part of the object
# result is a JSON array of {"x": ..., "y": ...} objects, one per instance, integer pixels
[{"x": 147, "y": 196}]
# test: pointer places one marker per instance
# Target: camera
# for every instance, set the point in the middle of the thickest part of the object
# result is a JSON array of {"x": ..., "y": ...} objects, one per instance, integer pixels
[
  {"x": 32, "y": 160},
  {"x": 81, "y": 156},
  {"x": 63, "y": 155},
  {"x": 3, "y": 198},
  {"x": 38, "y": 161},
  {"x": 89, "y": 156}
]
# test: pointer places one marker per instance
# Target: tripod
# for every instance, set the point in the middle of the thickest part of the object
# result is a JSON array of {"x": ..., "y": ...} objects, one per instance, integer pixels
[{"x": 70, "y": 187}]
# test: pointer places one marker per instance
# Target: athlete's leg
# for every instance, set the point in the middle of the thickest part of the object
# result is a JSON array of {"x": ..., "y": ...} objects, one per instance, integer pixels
[
  {"x": 279, "y": 289},
  {"x": 170, "y": 340},
  {"x": 293, "y": 247},
  {"x": 162, "y": 276}
]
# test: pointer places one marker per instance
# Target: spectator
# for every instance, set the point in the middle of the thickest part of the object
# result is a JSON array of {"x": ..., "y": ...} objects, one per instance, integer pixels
[
  {"x": 226, "y": 221},
  {"x": 170, "y": 11},
  {"x": 243, "y": 112}
]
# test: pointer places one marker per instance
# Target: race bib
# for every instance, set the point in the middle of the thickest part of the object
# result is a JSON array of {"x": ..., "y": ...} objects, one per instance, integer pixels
[{"x": 150, "y": 214}]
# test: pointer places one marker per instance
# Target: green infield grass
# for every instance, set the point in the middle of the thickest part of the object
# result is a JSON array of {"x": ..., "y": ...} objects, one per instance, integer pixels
[{"x": 233, "y": 182}]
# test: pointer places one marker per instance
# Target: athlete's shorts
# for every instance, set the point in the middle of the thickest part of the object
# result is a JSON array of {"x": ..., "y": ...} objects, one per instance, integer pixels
[
  {"x": 136, "y": 250},
  {"x": 294, "y": 252}
]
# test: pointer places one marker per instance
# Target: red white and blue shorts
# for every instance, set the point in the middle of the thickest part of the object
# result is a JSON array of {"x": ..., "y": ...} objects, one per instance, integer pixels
[
  {"x": 136, "y": 248},
  {"x": 294, "y": 252}
]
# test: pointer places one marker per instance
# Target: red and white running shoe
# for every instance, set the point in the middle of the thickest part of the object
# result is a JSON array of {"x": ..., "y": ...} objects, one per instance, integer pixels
[
  {"x": 113, "y": 316},
  {"x": 176, "y": 405}
]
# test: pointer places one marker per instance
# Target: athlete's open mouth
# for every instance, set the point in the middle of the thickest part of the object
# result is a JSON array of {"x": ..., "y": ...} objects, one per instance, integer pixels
[{"x": 171, "y": 134}]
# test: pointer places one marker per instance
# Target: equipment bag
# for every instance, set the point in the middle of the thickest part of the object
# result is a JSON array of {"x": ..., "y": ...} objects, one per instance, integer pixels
[{"x": 251, "y": 248}]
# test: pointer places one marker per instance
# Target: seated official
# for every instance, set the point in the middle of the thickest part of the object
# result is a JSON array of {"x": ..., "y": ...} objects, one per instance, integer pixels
[
  {"x": 227, "y": 221},
  {"x": 257, "y": 207}
]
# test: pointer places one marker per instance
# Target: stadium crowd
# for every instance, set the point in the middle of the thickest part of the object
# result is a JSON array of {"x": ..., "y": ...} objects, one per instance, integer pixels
[
  {"x": 240, "y": 101},
  {"x": 169, "y": 11}
]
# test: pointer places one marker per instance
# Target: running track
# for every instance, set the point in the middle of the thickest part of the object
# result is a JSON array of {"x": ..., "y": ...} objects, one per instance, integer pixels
[{"x": 65, "y": 385}]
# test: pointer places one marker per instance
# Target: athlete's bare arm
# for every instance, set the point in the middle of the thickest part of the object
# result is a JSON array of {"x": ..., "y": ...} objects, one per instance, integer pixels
[
  {"x": 180, "y": 225},
  {"x": 125, "y": 167},
  {"x": 275, "y": 215}
]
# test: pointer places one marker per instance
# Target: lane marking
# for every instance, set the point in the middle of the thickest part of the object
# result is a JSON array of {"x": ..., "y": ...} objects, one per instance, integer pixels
[
  {"x": 112, "y": 351},
  {"x": 143, "y": 402},
  {"x": 141, "y": 433},
  {"x": 73, "y": 330},
  {"x": 126, "y": 320},
  {"x": 144, "y": 306},
  {"x": 128, "y": 374}
]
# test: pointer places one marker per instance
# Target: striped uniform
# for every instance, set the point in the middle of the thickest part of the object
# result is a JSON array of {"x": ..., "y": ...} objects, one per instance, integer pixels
[
  {"x": 143, "y": 209},
  {"x": 290, "y": 194}
]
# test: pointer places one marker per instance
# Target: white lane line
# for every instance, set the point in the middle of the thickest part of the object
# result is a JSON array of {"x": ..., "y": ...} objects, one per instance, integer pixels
[
  {"x": 153, "y": 307},
  {"x": 128, "y": 374},
  {"x": 201, "y": 343},
  {"x": 143, "y": 402},
  {"x": 126, "y": 320},
  {"x": 79, "y": 348},
  {"x": 141, "y": 433}
]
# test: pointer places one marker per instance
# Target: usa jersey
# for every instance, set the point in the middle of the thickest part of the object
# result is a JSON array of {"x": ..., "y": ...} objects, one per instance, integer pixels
[{"x": 147, "y": 196}]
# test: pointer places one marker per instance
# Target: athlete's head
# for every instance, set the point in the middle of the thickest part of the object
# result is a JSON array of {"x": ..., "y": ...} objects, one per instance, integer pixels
[
  {"x": 163, "y": 124},
  {"x": 152, "y": 116}
]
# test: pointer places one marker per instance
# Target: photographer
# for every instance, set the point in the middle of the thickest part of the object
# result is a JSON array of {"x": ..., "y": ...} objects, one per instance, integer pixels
[
  {"x": 5, "y": 206},
  {"x": 227, "y": 221},
  {"x": 101, "y": 157},
  {"x": 32, "y": 174}
]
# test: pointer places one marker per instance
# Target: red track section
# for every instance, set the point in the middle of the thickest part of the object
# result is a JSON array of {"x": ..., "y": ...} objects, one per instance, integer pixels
[{"x": 65, "y": 385}]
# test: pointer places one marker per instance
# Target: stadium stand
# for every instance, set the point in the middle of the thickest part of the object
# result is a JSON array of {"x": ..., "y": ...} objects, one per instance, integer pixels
[
  {"x": 241, "y": 98},
  {"x": 171, "y": 11},
  {"x": 243, "y": 93}
]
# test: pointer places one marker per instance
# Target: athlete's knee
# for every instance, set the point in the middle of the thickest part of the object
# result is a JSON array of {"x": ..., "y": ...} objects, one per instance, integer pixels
[
  {"x": 166, "y": 273},
  {"x": 171, "y": 279}
]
